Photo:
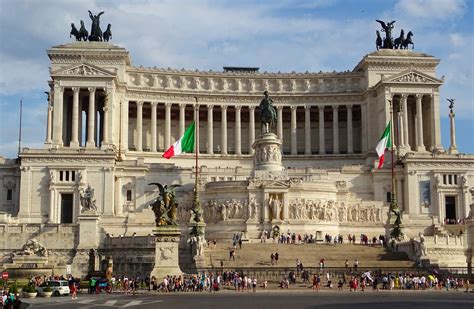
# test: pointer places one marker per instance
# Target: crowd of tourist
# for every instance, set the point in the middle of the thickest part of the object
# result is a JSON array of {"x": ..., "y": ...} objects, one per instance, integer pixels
[{"x": 294, "y": 238}]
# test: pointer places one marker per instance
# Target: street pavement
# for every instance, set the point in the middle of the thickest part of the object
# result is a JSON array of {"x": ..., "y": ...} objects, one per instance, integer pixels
[{"x": 292, "y": 299}]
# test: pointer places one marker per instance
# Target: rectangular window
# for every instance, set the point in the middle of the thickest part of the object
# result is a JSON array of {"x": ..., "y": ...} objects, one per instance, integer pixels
[
  {"x": 444, "y": 179},
  {"x": 60, "y": 175},
  {"x": 9, "y": 194},
  {"x": 129, "y": 195},
  {"x": 73, "y": 176},
  {"x": 455, "y": 179},
  {"x": 67, "y": 175},
  {"x": 450, "y": 177},
  {"x": 389, "y": 197}
]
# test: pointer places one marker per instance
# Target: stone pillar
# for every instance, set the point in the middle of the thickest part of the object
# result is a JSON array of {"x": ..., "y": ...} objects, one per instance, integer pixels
[
  {"x": 419, "y": 124},
  {"x": 251, "y": 128},
  {"x": 139, "y": 144},
  {"x": 322, "y": 144},
  {"x": 91, "y": 119},
  {"x": 153, "y": 126},
  {"x": 119, "y": 197},
  {"x": 224, "y": 129},
  {"x": 350, "y": 134},
  {"x": 294, "y": 149},
  {"x": 335, "y": 129},
  {"x": 403, "y": 102},
  {"x": 364, "y": 134},
  {"x": 58, "y": 115},
  {"x": 75, "y": 118},
  {"x": 307, "y": 130},
  {"x": 401, "y": 138},
  {"x": 210, "y": 129},
  {"x": 182, "y": 120},
  {"x": 52, "y": 195},
  {"x": 167, "y": 125},
  {"x": 105, "y": 139},
  {"x": 453, "y": 149},
  {"x": 124, "y": 124},
  {"x": 238, "y": 145},
  {"x": 280, "y": 122},
  {"x": 49, "y": 124},
  {"x": 435, "y": 122}
]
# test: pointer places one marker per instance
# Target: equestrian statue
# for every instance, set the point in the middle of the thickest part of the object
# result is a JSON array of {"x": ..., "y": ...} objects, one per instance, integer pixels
[
  {"x": 388, "y": 42},
  {"x": 96, "y": 32},
  {"x": 268, "y": 115}
]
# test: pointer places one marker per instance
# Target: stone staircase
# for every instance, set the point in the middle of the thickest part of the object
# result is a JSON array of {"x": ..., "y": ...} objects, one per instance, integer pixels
[{"x": 258, "y": 255}]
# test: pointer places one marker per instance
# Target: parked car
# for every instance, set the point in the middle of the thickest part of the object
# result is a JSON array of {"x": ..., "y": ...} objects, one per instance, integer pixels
[{"x": 59, "y": 287}]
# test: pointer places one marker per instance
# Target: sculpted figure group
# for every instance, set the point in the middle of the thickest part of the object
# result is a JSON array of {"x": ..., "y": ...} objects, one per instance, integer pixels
[
  {"x": 332, "y": 211},
  {"x": 388, "y": 42},
  {"x": 165, "y": 206},
  {"x": 96, "y": 33}
]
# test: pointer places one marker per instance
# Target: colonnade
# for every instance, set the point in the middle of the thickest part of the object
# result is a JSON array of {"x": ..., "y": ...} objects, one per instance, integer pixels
[
  {"x": 238, "y": 110},
  {"x": 56, "y": 127},
  {"x": 402, "y": 119}
]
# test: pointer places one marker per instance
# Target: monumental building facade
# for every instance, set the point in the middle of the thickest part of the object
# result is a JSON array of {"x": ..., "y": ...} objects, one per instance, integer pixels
[{"x": 109, "y": 122}]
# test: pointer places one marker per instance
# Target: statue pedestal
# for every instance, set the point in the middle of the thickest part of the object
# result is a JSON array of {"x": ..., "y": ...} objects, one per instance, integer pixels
[
  {"x": 88, "y": 230},
  {"x": 267, "y": 158},
  {"x": 470, "y": 243},
  {"x": 199, "y": 259},
  {"x": 166, "y": 252}
]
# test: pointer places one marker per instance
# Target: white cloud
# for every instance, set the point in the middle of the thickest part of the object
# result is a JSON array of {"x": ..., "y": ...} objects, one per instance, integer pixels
[{"x": 432, "y": 9}]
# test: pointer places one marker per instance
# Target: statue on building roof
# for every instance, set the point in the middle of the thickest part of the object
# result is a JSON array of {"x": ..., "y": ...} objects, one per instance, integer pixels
[
  {"x": 388, "y": 42},
  {"x": 268, "y": 115},
  {"x": 96, "y": 32}
]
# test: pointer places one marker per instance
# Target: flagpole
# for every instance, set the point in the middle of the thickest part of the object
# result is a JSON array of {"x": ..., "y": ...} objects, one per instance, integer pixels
[
  {"x": 196, "y": 148},
  {"x": 393, "y": 202}
]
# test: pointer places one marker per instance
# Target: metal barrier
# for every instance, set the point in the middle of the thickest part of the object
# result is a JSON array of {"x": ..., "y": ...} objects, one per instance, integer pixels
[{"x": 277, "y": 273}]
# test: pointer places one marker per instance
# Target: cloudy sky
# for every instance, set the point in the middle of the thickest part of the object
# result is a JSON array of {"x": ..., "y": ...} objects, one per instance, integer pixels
[{"x": 275, "y": 35}]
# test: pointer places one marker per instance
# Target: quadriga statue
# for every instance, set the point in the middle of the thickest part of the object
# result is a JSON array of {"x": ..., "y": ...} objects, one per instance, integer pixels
[{"x": 165, "y": 205}]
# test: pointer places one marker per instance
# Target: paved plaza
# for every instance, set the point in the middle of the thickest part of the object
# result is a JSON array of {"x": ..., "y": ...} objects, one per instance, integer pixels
[{"x": 267, "y": 299}]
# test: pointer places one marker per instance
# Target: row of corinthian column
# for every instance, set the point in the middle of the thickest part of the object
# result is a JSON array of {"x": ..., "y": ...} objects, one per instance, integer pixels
[
  {"x": 237, "y": 127},
  {"x": 402, "y": 119},
  {"x": 54, "y": 127}
]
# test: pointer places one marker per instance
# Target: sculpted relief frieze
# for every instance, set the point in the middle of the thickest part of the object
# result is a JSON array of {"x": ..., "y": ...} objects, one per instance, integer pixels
[
  {"x": 233, "y": 209},
  {"x": 257, "y": 83},
  {"x": 333, "y": 211}
]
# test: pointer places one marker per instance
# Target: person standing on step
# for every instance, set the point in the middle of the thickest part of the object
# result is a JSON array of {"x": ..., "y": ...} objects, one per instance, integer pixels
[
  {"x": 272, "y": 258},
  {"x": 276, "y": 257}
]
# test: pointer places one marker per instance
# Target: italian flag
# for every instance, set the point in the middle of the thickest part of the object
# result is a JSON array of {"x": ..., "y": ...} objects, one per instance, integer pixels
[
  {"x": 384, "y": 143},
  {"x": 184, "y": 144}
]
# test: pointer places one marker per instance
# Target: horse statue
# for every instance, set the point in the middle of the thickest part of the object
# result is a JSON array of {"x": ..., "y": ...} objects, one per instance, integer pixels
[
  {"x": 108, "y": 33},
  {"x": 399, "y": 41},
  {"x": 165, "y": 207},
  {"x": 83, "y": 32},
  {"x": 74, "y": 32},
  {"x": 268, "y": 113},
  {"x": 378, "y": 40},
  {"x": 408, "y": 41}
]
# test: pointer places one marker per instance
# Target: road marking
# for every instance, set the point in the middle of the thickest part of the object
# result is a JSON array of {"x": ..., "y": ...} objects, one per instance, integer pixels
[
  {"x": 86, "y": 301},
  {"x": 133, "y": 303},
  {"x": 110, "y": 302}
]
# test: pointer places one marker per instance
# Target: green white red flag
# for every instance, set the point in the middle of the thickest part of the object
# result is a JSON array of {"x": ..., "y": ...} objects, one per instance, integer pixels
[
  {"x": 385, "y": 142},
  {"x": 184, "y": 144}
]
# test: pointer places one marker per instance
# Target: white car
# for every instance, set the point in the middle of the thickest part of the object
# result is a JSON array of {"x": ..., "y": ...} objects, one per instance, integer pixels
[{"x": 59, "y": 287}]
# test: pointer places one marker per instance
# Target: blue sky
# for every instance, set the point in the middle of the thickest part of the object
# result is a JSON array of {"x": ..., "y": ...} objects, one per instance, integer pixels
[{"x": 275, "y": 35}]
